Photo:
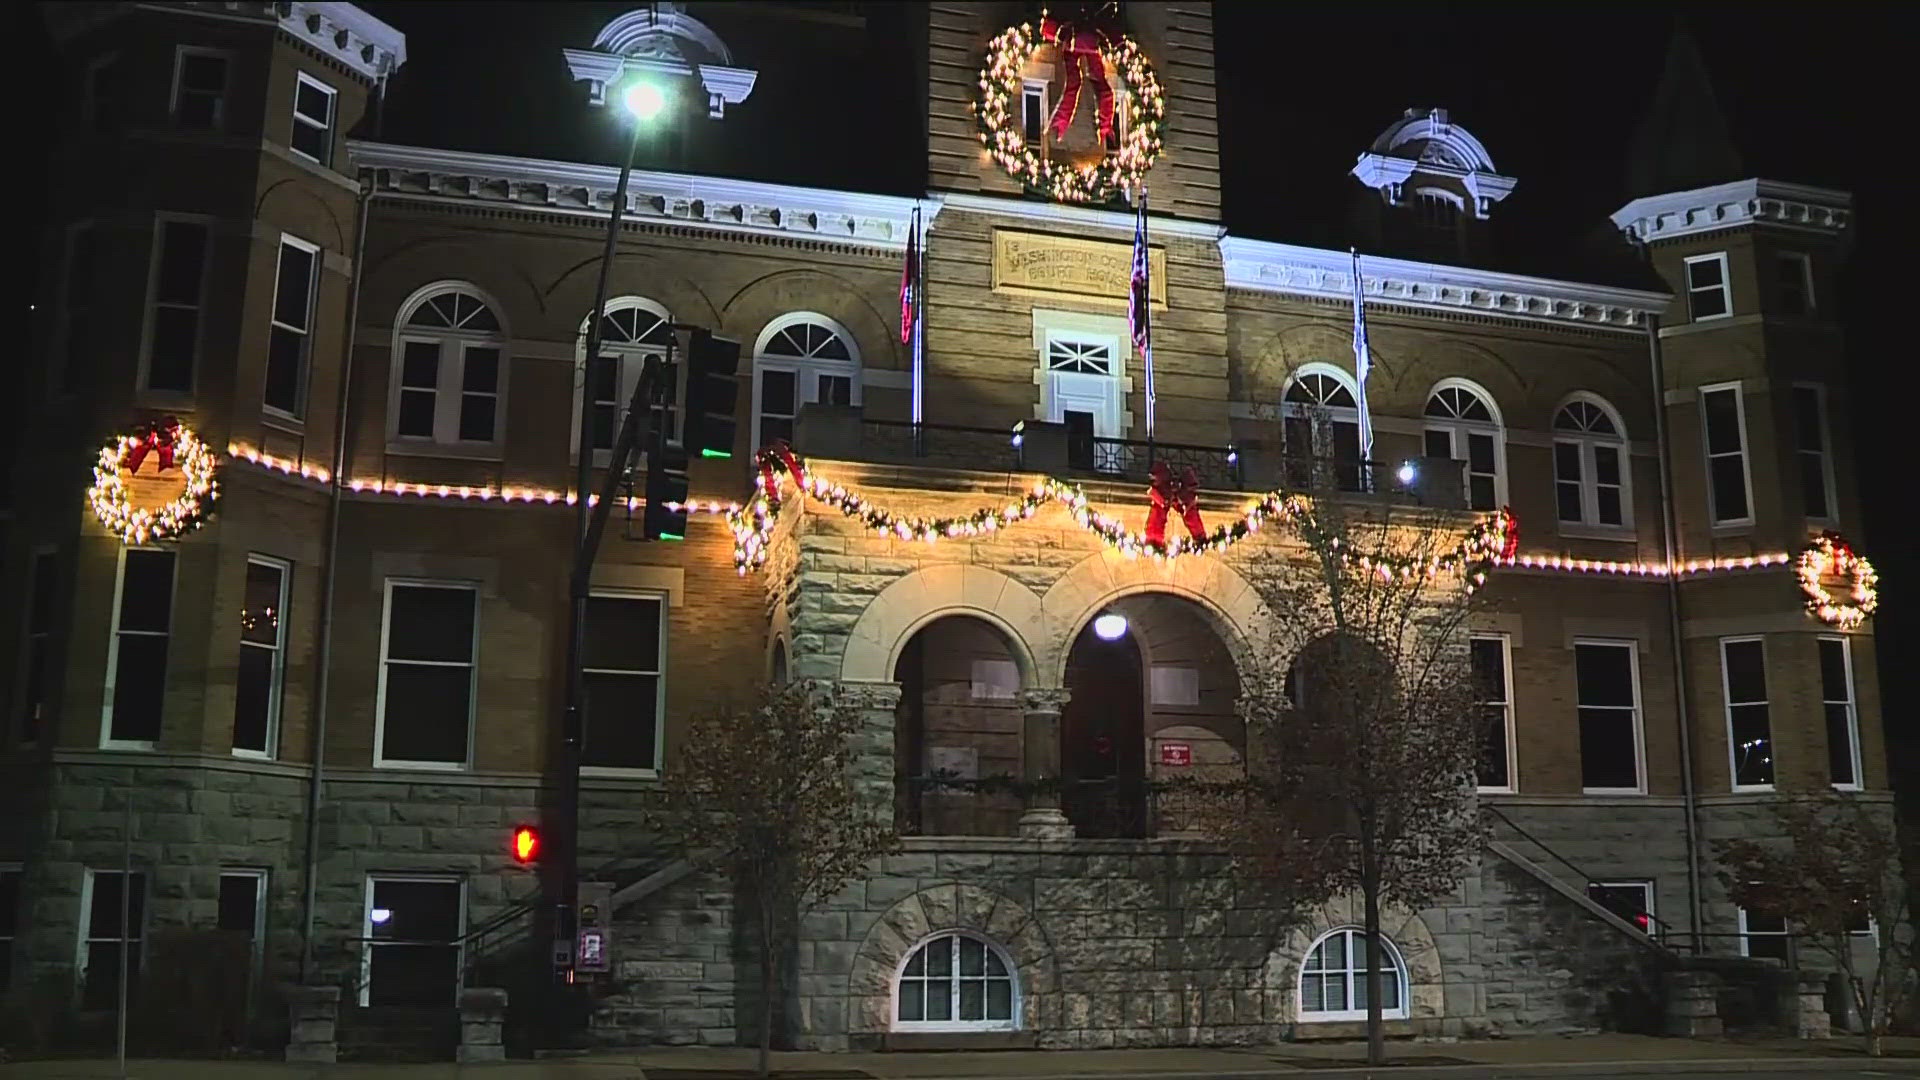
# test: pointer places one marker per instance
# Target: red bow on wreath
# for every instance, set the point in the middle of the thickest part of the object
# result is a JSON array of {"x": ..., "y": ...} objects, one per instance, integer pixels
[
  {"x": 159, "y": 439},
  {"x": 778, "y": 450},
  {"x": 1511, "y": 545},
  {"x": 1081, "y": 56},
  {"x": 1182, "y": 498}
]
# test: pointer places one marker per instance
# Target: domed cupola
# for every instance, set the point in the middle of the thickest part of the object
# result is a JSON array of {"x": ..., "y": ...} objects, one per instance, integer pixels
[
  {"x": 1424, "y": 155},
  {"x": 662, "y": 40}
]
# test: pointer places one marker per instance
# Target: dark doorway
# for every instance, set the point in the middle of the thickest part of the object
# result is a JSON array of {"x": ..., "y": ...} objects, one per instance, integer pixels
[
  {"x": 413, "y": 957},
  {"x": 1103, "y": 754}
]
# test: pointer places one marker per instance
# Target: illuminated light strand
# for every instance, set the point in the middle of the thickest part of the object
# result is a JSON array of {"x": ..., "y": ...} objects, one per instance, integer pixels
[
  {"x": 463, "y": 492},
  {"x": 1567, "y": 563},
  {"x": 278, "y": 464}
]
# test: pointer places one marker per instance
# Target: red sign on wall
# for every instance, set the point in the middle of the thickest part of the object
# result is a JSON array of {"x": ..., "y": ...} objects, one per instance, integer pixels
[{"x": 1177, "y": 754}]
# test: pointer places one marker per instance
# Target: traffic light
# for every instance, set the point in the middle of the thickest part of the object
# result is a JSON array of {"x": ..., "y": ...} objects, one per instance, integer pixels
[
  {"x": 666, "y": 513},
  {"x": 713, "y": 394},
  {"x": 525, "y": 845}
]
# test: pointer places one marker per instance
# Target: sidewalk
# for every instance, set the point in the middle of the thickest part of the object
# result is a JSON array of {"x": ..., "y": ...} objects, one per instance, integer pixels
[{"x": 1592, "y": 1055}]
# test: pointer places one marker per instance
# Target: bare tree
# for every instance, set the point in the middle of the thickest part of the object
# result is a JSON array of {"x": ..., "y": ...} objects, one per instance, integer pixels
[
  {"x": 767, "y": 795},
  {"x": 1833, "y": 872}
]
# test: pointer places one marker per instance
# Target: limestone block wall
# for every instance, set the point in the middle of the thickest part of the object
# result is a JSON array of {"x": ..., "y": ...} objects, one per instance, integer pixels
[{"x": 678, "y": 958}]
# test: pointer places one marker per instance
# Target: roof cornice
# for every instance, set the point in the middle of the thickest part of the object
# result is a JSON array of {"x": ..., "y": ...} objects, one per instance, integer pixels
[
  {"x": 1061, "y": 215},
  {"x": 338, "y": 30},
  {"x": 737, "y": 206},
  {"x": 1743, "y": 202},
  {"x": 1266, "y": 266}
]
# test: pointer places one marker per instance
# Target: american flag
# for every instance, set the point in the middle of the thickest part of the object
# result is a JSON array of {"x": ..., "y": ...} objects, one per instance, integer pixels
[
  {"x": 1140, "y": 303},
  {"x": 910, "y": 281},
  {"x": 1362, "y": 362}
]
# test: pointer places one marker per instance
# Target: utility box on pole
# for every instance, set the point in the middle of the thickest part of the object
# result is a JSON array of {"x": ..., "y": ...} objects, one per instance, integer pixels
[{"x": 593, "y": 953}]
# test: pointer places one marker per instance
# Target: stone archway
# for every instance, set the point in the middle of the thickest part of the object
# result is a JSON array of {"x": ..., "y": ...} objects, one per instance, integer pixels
[
  {"x": 1426, "y": 1002},
  {"x": 970, "y": 908},
  {"x": 900, "y": 609},
  {"x": 1223, "y": 593}
]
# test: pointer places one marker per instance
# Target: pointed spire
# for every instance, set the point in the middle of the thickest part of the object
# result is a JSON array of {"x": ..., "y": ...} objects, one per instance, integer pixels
[{"x": 1684, "y": 141}]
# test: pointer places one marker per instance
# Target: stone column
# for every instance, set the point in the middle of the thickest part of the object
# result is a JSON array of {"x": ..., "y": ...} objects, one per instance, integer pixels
[
  {"x": 482, "y": 1011},
  {"x": 314, "y": 1012},
  {"x": 1040, "y": 760},
  {"x": 1807, "y": 1009},
  {"x": 873, "y": 766},
  {"x": 1693, "y": 1003}
]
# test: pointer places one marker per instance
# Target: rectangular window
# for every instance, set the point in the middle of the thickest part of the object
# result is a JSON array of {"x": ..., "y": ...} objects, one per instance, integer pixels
[
  {"x": 1631, "y": 900},
  {"x": 36, "y": 661},
  {"x": 1842, "y": 720},
  {"x": 1490, "y": 673},
  {"x": 412, "y": 933},
  {"x": 177, "y": 290},
  {"x": 1482, "y": 472},
  {"x": 1033, "y": 111},
  {"x": 1743, "y": 678},
  {"x": 625, "y": 695},
  {"x": 10, "y": 877},
  {"x": 1724, "y": 425},
  {"x": 200, "y": 89},
  {"x": 242, "y": 913},
  {"x": 469, "y": 410},
  {"x": 107, "y": 927},
  {"x": 263, "y": 658},
  {"x": 1173, "y": 684},
  {"x": 1794, "y": 283},
  {"x": 1810, "y": 431},
  {"x": 290, "y": 338},
  {"x": 1764, "y": 936},
  {"x": 608, "y": 404},
  {"x": 1607, "y": 677},
  {"x": 419, "y": 389},
  {"x": 137, "y": 652},
  {"x": 312, "y": 135},
  {"x": 427, "y": 674},
  {"x": 1708, "y": 294},
  {"x": 75, "y": 357},
  {"x": 479, "y": 393}
]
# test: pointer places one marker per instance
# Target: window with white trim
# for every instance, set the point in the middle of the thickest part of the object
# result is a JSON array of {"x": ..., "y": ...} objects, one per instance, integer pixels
[
  {"x": 137, "y": 652},
  {"x": 290, "y": 339},
  {"x": 241, "y": 911},
  {"x": 10, "y": 879},
  {"x": 105, "y": 929},
  {"x": 1083, "y": 383},
  {"x": 428, "y": 643},
  {"x": 1033, "y": 111},
  {"x": 1743, "y": 681},
  {"x": 37, "y": 672},
  {"x": 1793, "y": 283},
  {"x": 1709, "y": 296},
  {"x": 1493, "y": 675},
  {"x": 1842, "y": 716},
  {"x": 801, "y": 358},
  {"x": 412, "y": 929},
  {"x": 1607, "y": 683},
  {"x": 623, "y": 660},
  {"x": 1815, "y": 451},
  {"x": 1723, "y": 416},
  {"x": 1764, "y": 936},
  {"x": 956, "y": 982},
  {"x": 633, "y": 330},
  {"x": 1462, "y": 425},
  {"x": 1320, "y": 428},
  {"x": 263, "y": 657},
  {"x": 1590, "y": 474},
  {"x": 312, "y": 134},
  {"x": 75, "y": 357},
  {"x": 1333, "y": 978},
  {"x": 176, "y": 294},
  {"x": 200, "y": 88},
  {"x": 449, "y": 377},
  {"x": 1631, "y": 900}
]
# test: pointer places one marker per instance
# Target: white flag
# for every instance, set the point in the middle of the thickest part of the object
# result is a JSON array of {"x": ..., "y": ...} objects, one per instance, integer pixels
[{"x": 1361, "y": 361}]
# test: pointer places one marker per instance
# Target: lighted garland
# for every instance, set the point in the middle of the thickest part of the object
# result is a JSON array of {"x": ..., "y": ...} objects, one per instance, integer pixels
[
  {"x": 1003, "y": 134},
  {"x": 1830, "y": 555},
  {"x": 174, "y": 446},
  {"x": 1484, "y": 544}
]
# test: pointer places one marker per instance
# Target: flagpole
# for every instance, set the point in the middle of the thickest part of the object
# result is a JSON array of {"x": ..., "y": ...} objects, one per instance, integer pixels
[
  {"x": 1143, "y": 301},
  {"x": 1362, "y": 361},
  {"x": 919, "y": 324}
]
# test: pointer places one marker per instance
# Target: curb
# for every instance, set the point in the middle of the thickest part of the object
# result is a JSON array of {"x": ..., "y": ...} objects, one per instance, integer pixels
[{"x": 1640, "y": 1067}]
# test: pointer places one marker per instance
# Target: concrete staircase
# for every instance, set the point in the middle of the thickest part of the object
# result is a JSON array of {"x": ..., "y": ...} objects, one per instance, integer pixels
[{"x": 398, "y": 1033}]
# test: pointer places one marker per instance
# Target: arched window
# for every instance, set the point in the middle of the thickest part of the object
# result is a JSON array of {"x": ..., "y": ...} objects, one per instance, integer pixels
[
  {"x": 1333, "y": 978},
  {"x": 956, "y": 982},
  {"x": 632, "y": 329},
  {"x": 1463, "y": 424},
  {"x": 1591, "y": 481},
  {"x": 801, "y": 358},
  {"x": 1320, "y": 424},
  {"x": 449, "y": 383},
  {"x": 779, "y": 665}
]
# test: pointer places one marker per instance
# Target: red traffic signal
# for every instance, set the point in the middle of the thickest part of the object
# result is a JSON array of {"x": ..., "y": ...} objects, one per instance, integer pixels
[{"x": 526, "y": 844}]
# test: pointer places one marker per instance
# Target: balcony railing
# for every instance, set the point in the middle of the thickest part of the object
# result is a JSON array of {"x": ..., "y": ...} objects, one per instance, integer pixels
[
  {"x": 950, "y": 445},
  {"x": 1215, "y": 467}
]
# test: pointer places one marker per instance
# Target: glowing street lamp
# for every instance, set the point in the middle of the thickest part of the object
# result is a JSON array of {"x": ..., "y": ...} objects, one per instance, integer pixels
[{"x": 644, "y": 100}]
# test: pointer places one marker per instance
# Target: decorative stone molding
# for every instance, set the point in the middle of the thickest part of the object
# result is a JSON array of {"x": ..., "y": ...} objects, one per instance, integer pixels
[
  {"x": 1743, "y": 202},
  {"x": 702, "y": 202},
  {"x": 1228, "y": 601},
  {"x": 1264, "y": 266},
  {"x": 345, "y": 32},
  {"x": 1050, "y": 700},
  {"x": 1403, "y": 927},
  {"x": 929, "y": 593},
  {"x": 963, "y": 907},
  {"x": 482, "y": 1012},
  {"x": 313, "y": 1012},
  {"x": 662, "y": 40},
  {"x": 1425, "y": 143}
]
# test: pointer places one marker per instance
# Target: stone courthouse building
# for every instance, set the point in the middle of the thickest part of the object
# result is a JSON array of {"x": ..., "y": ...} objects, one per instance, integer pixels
[{"x": 311, "y": 723}]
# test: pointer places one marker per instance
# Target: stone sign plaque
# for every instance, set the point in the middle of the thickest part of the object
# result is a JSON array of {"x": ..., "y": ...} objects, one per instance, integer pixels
[{"x": 1041, "y": 264}]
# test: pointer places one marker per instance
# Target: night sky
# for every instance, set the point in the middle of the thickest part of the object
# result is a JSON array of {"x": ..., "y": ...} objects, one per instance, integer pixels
[{"x": 1553, "y": 91}]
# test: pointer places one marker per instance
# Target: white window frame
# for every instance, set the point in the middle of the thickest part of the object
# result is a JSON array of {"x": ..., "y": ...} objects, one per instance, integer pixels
[
  {"x": 367, "y": 944},
  {"x": 380, "y": 760},
  {"x": 1825, "y": 450},
  {"x": 1356, "y": 974},
  {"x": 1725, "y": 288},
  {"x": 180, "y": 54},
  {"x": 1726, "y": 707},
  {"x": 1029, "y": 87},
  {"x": 1646, "y": 887},
  {"x": 84, "y": 937},
  {"x": 1506, "y": 670},
  {"x": 276, "y": 687},
  {"x": 302, "y": 120},
  {"x": 807, "y": 371},
  {"x": 1588, "y": 443},
  {"x": 41, "y": 560},
  {"x": 1736, "y": 388},
  {"x": 449, "y": 391},
  {"x": 662, "y": 600},
  {"x": 1319, "y": 417},
  {"x": 1746, "y": 936},
  {"x": 114, "y": 633},
  {"x": 1805, "y": 265},
  {"x": 1639, "y": 711},
  {"x": 256, "y": 950},
  {"x": 1458, "y": 432},
  {"x": 304, "y": 380},
  {"x": 632, "y": 362},
  {"x": 1853, "y": 713},
  {"x": 1076, "y": 388},
  {"x": 155, "y": 256},
  {"x": 1015, "y": 997}
]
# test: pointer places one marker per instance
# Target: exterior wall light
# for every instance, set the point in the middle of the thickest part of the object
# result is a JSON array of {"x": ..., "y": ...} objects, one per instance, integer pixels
[{"x": 1110, "y": 627}]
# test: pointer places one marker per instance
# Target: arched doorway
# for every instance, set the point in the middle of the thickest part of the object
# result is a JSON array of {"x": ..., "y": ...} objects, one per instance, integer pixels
[{"x": 958, "y": 731}]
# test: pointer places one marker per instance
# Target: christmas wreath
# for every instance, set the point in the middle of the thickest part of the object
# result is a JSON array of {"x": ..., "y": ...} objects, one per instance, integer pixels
[
  {"x": 1089, "y": 48},
  {"x": 169, "y": 445},
  {"x": 1829, "y": 555}
]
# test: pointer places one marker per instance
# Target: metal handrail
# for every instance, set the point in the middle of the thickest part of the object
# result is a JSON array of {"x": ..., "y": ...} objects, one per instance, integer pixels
[{"x": 1653, "y": 920}]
